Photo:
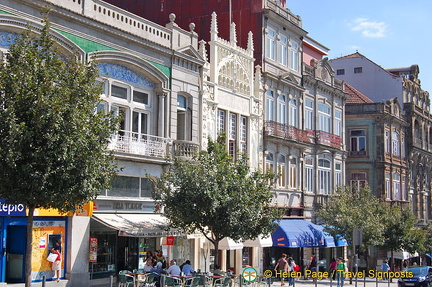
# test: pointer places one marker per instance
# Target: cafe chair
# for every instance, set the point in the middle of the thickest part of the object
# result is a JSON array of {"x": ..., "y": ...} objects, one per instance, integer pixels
[
  {"x": 222, "y": 282},
  {"x": 192, "y": 282},
  {"x": 125, "y": 280},
  {"x": 147, "y": 280},
  {"x": 172, "y": 282}
]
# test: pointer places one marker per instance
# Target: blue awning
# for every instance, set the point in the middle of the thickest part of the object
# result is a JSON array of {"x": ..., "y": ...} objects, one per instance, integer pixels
[{"x": 301, "y": 233}]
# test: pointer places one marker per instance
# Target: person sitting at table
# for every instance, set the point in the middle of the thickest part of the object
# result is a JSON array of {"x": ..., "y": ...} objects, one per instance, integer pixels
[
  {"x": 149, "y": 266},
  {"x": 157, "y": 271},
  {"x": 173, "y": 270},
  {"x": 160, "y": 258},
  {"x": 217, "y": 271},
  {"x": 187, "y": 268}
]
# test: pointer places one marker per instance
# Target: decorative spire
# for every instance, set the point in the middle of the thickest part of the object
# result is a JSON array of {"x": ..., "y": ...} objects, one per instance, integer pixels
[
  {"x": 214, "y": 26},
  {"x": 202, "y": 50},
  {"x": 233, "y": 34},
  {"x": 250, "y": 46}
]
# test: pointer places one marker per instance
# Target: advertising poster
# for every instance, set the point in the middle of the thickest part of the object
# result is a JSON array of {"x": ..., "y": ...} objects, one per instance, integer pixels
[{"x": 93, "y": 249}]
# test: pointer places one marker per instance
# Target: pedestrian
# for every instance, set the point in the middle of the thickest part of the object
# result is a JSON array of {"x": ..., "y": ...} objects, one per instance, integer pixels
[
  {"x": 313, "y": 266},
  {"x": 56, "y": 265},
  {"x": 404, "y": 265},
  {"x": 333, "y": 268},
  {"x": 385, "y": 268},
  {"x": 341, "y": 268},
  {"x": 282, "y": 266},
  {"x": 291, "y": 266}
]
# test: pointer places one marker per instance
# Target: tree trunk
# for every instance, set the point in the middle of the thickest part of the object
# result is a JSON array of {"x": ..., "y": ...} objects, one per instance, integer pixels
[
  {"x": 28, "y": 261},
  {"x": 216, "y": 259}
]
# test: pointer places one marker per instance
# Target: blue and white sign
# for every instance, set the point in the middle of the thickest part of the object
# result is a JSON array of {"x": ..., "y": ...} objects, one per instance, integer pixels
[{"x": 12, "y": 209}]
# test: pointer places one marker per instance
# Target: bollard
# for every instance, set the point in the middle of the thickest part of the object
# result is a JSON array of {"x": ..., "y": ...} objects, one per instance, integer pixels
[
  {"x": 43, "y": 280},
  {"x": 111, "y": 280},
  {"x": 376, "y": 280}
]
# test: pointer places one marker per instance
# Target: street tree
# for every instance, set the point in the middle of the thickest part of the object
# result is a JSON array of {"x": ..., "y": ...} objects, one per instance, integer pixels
[
  {"x": 400, "y": 233},
  {"x": 350, "y": 209},
  {"x": 217, "y": 196},
  {"x": 53, "y": 152}
]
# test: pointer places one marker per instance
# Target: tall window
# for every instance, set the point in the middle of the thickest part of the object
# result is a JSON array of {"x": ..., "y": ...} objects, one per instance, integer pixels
[
  {"x": 338, "y": 123},
  {"x": 220, "y": 121},
  {"x": 396, "y": 186},
  {"x": 387, "y": 141},
  {"x": 309, "y": 114},
  {"x": 403, "y": 188},
  {"x": 395, "y": 144},
  {"x": 281, "y": 171},
  {"x": 270, "y": 108},
  {"x": 283, "y": 49},
  {"x": 294, "y": 55},
  {"x": 358, "y": 180},
  {"x": 243, "y": 134},
  {"x": 139, "y": 123},
  {"x": 403, "y": 146},
  {"x": 338, "y": 173},
  {"x": 183, "y": 119},
  {"x": 282, "y": 114},
  {"x": 358, "y": 142},
  {"x": 232, "y": 143},
  {"x": 324, "y": 117},
  {"x": 293, "y": 172},
  {"x": 324, "y": 176},
  {"x": 309, "y": 172},
  {"x": 269, "y": 162},
  {"x": 271, "y": 44},
  {"x": 293, "y": 113},
  {"x": 387, "y": 186}
]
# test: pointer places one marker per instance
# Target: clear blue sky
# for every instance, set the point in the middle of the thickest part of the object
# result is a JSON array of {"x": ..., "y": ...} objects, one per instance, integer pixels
[{"x": 390, "y": 33}]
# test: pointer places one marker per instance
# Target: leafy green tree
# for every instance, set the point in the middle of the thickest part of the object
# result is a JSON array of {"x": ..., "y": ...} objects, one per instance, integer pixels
[
  {"x": 399, "y": 232},
  {"x": 348, "y": 210},
  {"x": 53, "y": 152},
  {"x": 217, "y": 196}
]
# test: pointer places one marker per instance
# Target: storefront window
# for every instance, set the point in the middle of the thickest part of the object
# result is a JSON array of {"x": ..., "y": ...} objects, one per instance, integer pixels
[
  {"x": 145, "y": 244},
  {"x": 246, "y": 257},
  {"x": 105, "y": 261}
]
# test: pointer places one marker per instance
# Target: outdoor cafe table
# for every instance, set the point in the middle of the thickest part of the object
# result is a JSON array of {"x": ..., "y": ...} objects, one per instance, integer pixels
[{"x": 183, "y": 279}]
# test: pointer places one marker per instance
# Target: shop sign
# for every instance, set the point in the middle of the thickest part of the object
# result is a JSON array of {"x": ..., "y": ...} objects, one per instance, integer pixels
[
  {"x": 93, "y": 249},
  {"x": 123, "y": 206},
  {"x": 12, "y": 209},
  {"x": 170, "y": 240}
]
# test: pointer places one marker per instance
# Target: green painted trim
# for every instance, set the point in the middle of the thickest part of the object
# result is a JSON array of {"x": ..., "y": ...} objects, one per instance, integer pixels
[
  {"x": 4, "y": 12},
  {"x": 87, "y": 45},
  {"x": 164, "y": 69}
]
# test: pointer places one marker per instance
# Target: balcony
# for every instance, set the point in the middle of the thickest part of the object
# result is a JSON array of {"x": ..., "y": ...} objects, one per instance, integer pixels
[
  {"x": 139, "y": 144},
  {"x": 287, "y": 132},
  {"x": 328, "y": 139},
  {"x": 184, "y": 148}
]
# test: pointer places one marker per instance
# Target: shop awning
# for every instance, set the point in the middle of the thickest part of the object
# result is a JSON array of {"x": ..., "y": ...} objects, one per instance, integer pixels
[
  {"x": 301, "y": 233},
  {"x": 229, "y": 244},
  {"x": 401, "y": 255},
  {"x": 260, "y": 242},
  {"x": 137, "y": 225}
]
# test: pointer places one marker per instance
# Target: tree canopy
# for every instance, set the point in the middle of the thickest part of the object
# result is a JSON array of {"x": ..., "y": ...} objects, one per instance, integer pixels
[
  {"x": 217, "y": 196},
  {"x": 53, "y": 152}
]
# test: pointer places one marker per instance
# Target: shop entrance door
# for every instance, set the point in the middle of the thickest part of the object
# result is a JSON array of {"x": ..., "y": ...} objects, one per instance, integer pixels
[
  {"x": 16, "y": 239},
  {"x": 127, "y": 253}
]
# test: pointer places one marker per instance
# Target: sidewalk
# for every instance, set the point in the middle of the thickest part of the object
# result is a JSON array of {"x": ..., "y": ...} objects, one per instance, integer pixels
[{"x": 360, "y": 283}]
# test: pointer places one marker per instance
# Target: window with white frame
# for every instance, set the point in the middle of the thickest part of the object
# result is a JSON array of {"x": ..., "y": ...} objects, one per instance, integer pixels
[
  {"x": 293, "y": 172},
  {"x": 293, "y": 113},
  {"x": 338, "y": 123},
  {"x": 396, "y": 186},
  {"x": 403, "y": 188},
  {"x": 358, "y": 180},
  {"x": 184, "y": 131},
  {"x": 395, "y": 144},
  {"x": 387, "y": 186},
  {"x": 270, "y": 105},
  {"x": 358, "y": 141},
  {"x": 324, "y": 117},
  {"x": 294, "y": 55},
  {"x": 282, "y": 113},
  {"x": 309, "y": 114},
  {"x": 243, "y": 134},
  {"x": 232, "y": 136},
  {"x": 283, "y": 50},
  {"x": 324, "y": 176},
  {"x": 338, "y": 173},
  {"x": 403, "y": 146},
  {"x": 281, "y": 167},
  {"x": 221, "y": 114},
  {"x": 387, "y": 141},
  {"x": 269, "y": 162},
  {"x": 309, "y": 174},
  {"x": 271, "y": 44},
  {"x": 129, "y": 186}
]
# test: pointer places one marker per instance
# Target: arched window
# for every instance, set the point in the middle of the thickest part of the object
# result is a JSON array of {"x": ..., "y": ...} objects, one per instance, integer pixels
[
  {"x": 281, "y": 171},
  {"x": 309, "y": 173},
  {"x": 396, "y": 186},
  {"x": 324, "y": 117},
  {"x": 324, "y": 176},
  {"x": 269, "y": 162},
  {"x": 293, "y": 168}
]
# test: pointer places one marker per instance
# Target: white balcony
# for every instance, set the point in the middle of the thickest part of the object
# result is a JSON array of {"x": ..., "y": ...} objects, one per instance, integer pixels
[{"x": 139, "y": 144}]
